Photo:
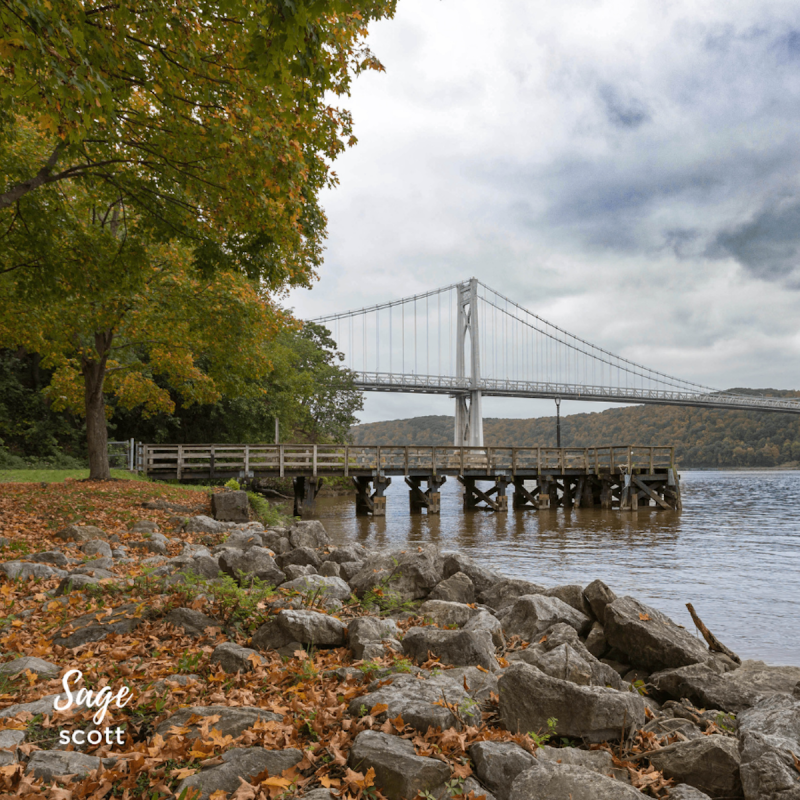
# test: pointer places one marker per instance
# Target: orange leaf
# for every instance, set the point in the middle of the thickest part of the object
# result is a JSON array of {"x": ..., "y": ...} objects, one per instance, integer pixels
[
  {"x": 378, "y": 708},
  {"x": 644, "y": 617}
]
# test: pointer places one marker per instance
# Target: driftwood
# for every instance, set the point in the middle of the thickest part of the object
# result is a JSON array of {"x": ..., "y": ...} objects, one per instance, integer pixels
[{"x": 714, "y": 644}]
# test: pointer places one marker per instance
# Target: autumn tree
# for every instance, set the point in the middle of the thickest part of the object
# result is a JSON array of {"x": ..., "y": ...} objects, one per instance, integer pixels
[
  {"x": 211, "y": 118},
  {"x": 121, "y": 308}
]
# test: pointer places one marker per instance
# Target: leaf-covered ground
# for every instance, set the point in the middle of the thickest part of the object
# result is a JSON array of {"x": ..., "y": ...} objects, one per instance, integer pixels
[{"x": 303, "y": 688}]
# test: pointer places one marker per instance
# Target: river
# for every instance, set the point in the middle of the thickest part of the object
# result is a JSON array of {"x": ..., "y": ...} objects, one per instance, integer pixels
[{"x": 734, "y": 551}]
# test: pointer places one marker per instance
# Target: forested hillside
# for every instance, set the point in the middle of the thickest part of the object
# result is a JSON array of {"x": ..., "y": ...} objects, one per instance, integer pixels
[{"x": 702, "y": 437}]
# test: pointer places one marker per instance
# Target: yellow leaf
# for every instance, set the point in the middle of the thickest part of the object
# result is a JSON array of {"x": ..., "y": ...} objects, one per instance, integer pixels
[
  {"x": 183, "y": 773},
  {"x": 378, "y": 708},
  {"x": 281, "y": 783}
]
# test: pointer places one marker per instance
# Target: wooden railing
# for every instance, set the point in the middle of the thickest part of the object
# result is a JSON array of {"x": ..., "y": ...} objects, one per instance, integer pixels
[{"x": 285, "y": 459}]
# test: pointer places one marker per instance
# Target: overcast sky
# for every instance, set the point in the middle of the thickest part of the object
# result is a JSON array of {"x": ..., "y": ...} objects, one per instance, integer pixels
[{"x": 627, "y": 170}]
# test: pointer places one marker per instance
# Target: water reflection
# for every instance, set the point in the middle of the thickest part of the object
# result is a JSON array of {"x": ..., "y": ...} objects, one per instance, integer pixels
[{"x": 734, "y": 551}]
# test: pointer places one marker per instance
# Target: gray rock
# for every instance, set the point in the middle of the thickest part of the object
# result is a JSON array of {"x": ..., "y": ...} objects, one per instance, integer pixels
[
  {"x": 399, "y": 772},
  {"x": 504, "y": 593},
  {"x": 144, "y": 526},
  {"x": 275, "y": 542},
  {"x": 87, "y": 628},
  {"x": 349, "y": 569},
  {"x": 294, "y": 572},
  {"x": 320, "y": 794},
  {"x": 711, "y": 685},
  {"x": 769, "y": 741},
  {"x": 96, "y": 563},
  {"x": 193, "y": 622},
  {"x": 256, "y": 562},
  {"x": 458, "y": 588},
  {"x": 302, "y": 556},
  {"x": 599, "y": 761},
  {"x": 242, "y": 540},
  {"x": 598, "y": 596},
  {"x": 363, "y": 631},
  {"x": 94, "y": 572},
  {"x": 169, "y": 683},
  {"x": 44, "y": 705},
  {"x": 352, "y": 552},
  {"x": 204, "y": 524},
  {"x": 47, "y": 764},
  {"x": 568, "y": 664},
  {"x": 572, "y": 595},
  {"x": 330, "y": 569},
  {"x": 461, "y": 648},
  {"x": 54, "y": 557},
  {"x": 193, "y": 550},
  {"x": 75, "y": 583},
  {"x": 664, "y": 727},
  {"x": 230, "y": 506},
  {"x": 482, "y": 579},
  {"x": 23, "y": 570},
  {"x": 569, "y": 782},
  {"x": 319, "y": 585},
  {"x": 308, "y": 533},
  {"x": 684, "y": 792},
  {"x": 596, "y": 642},
  {"x": 306, "y": 627},
  {"x": 96, "y": 547},
  {"x": 204, "y": 566},
  {"x": 403, "y": 574},
  {"x": 498, "y": 764},
  {"x": 150, "y": 546},
  {"x": 44, "y": 669},
  {"x": 709, "y": 763},
  {"x": 484, "y": 621},
  {"x": 235, "y": 658},
  {"x": 531, "y": 615},
  {"x": 528, "y": 698},
  {"x": 239, "y": 763},
  {"x": 10, "y": 739},
  {"x": 420, "y": 702},
  {"x": 446, "y": 613},
  {"x": 649, "y": 639},
  {"x": 233, "y": 720},
  {"x": 80, "y": 533}
]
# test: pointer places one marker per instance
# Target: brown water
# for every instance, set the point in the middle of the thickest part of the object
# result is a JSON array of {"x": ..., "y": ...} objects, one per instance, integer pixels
[{"x": 734, "y": 551}]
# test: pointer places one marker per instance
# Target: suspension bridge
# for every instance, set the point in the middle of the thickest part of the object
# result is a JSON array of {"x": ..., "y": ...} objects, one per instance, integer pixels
[{"x": 468, "y": 341}]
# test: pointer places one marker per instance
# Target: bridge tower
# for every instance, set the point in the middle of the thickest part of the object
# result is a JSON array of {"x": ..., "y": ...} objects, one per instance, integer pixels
[{"x": 469, "y": 419}]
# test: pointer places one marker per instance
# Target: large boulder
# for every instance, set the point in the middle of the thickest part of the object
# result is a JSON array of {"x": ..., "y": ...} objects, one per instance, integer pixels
[
  {"x": 94, "y": 627},
  {"x": 446, "y": 613},
  {"x": 230, "y": 506},
  {"x": 532, "y": 614},
  {"x": 572, "y": 595},
  {"x": 399, "y": 772},
  {"x": 458, "y": 588},
  {"x": 229, "y": 720},
  {"x": 401, "y": 574},
  {"x": 529, "y": 698},
  {"x": 44, "y": 669},
  {"x": 497, "y": 764},
  {"x": 769, "y": 746},
  {"x": 193, "y": 622},
  {"x": 649, "y": 639},
  {"x": 349, "y": 553},
  {"x": 709, "y": 763},
  {"x": 300, "y": 556},
  {"x": 204, "y": 524},
  {"x": 22, "y": 570},
  {"x": 308, "y": 533},
  {"x": 96, "y": 547},
  {"x": 570, "y": 664},
  {"x": 484, "y": 621},
  {"x": 505, "y": 592},
  {"x": 241, "y": 540},
  {"x": 53, "y": 557},
  {"x": 300, "y": 625},
  {"x": 80, "y": 533},
  {"x": 256, "y": 562},
  {"x": 482, "y": 578},
  {"x": 555, "y": 781},
  {"x": 713, "y": 685},
  {"x": 319, "y": 585},
  {"x": 235, "y": 658},
  {"x": 239, "y": 763},
  {"x": 364, "y": 631},
  {"x": 598, "y": 596},
  {"x": 421, "y": 702},
  {"x": 48, "y": 764},
  {"x": 460, "y": 648}
]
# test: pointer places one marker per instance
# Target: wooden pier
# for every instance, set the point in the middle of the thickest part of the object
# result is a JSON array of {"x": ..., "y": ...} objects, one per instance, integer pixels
[{"x": 623, "y": 477}]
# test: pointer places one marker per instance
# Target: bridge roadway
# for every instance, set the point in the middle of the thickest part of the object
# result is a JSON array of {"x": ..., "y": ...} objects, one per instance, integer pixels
[
  {"x": 624, "y": 477},
  {"x": 490, "y": 387}
]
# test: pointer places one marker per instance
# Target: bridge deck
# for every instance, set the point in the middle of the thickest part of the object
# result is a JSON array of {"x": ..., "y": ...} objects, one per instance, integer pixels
[{"x": 215, "y": 461}]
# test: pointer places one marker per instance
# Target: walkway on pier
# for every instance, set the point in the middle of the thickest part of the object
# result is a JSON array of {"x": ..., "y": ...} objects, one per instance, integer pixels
[{"x": 623, "y": 477}]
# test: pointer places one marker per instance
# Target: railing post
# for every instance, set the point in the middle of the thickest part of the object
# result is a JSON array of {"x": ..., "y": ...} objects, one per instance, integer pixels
[
  {"x": 630, "y": 460},
  {"x": 652, "y": 466},
  {"x": 433, "y": 459},
  {"x": 280, "y": 459},
  {"x": 314, "y": 461},
  {"x": 180, "y": 461},
  {"x": 405, "y": 455},
  {"x": 346, "y": 461}
]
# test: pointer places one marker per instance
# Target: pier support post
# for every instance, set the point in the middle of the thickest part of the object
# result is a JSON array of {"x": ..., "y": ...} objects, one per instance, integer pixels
[
  {"x": 305, "y": 495},
  {"x": 544, "y": 493},
  {"x": 430, "y": 499},
  {"x": 373, "y": 503},
  {"x": 606, "y": 493},
  {"x": 501, "y": 484},
  {"x": 522, "y": 497}
]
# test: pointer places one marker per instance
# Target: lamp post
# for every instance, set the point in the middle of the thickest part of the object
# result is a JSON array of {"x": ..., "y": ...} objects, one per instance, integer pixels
[{"x": 558, "y": 422}]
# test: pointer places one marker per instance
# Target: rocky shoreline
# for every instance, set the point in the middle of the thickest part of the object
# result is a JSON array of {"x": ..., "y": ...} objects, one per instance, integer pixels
[{"x": 450, "y": 680}]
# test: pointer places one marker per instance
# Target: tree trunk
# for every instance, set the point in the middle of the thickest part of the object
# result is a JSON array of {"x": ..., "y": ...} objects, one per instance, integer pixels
[{"x": 94, "y": 373}]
